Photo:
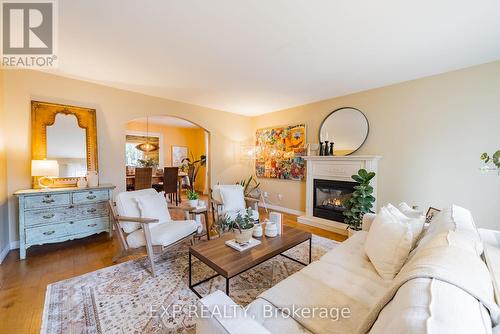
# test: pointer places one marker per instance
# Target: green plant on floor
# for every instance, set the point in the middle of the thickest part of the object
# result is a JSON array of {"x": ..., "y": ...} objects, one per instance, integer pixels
[
  {"x": 250, "y": 187},
  {"x": 361, "y": 201},
  {"x": 240, "y": 222},
  {"x": 192, "y": 195}
]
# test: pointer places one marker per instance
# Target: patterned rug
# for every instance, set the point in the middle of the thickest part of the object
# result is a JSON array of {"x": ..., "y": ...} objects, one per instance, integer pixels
[{"x": 125, "y": 298}]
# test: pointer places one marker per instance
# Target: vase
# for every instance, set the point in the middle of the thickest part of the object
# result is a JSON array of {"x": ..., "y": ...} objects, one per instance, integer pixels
[
  {"x": 244, "y": 236},
  {"x": 92, "y": 179},
  {"x": 81, "y": 183},
  {"x": 257, "y": 231},
  {"x": 193, "y": 203},
  {"x": 271, "y": 229}
]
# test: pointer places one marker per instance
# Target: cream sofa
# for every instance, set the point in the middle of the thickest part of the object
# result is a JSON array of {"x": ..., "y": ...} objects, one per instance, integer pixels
[{"x": 345, "y": 277}]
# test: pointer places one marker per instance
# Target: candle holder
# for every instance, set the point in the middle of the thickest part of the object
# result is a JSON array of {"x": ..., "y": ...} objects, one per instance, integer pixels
[
  {"x": 321, "y": 150},
  {"x": 331, "y": 148},
  {"x": 327, "y": 152}
]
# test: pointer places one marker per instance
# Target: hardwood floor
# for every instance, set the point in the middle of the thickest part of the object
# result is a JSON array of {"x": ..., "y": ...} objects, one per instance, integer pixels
[{"x": 23, "y": 283}]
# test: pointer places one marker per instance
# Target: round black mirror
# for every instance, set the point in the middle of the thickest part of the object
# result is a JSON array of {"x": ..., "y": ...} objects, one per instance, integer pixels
[{"x": 347, "y": 128}]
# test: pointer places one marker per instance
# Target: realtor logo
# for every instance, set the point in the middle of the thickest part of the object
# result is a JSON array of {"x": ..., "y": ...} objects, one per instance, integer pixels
[{"x": 28, "y": 34}]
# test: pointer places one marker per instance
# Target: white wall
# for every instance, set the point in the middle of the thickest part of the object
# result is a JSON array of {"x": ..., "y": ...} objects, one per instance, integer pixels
[{"x": 430, "y": 133}]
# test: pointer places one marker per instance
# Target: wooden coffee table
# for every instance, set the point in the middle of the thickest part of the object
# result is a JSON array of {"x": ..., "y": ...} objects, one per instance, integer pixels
[{"x": 229, "y": 262}]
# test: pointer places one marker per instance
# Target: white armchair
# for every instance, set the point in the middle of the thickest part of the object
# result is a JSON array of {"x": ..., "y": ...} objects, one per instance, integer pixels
[
  {"x": 142, "y": 219},
  {"x": 230, "y": 200}
]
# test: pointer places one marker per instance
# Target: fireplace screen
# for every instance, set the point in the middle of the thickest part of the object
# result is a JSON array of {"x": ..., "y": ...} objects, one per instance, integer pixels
[{"x": 330, "y": 198}]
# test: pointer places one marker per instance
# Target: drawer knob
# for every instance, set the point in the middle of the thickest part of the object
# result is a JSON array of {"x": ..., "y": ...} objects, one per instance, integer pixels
[
  {"x": 92, "y": 225},
  {"x": 71, "y": 223},
  {"x": 48, "y": 216},
  {"x": 91, "y": 197},
  {"x": 49, "y": 232},
  {"x": 48, "y": 201},
  {"x": 91, "y": 210}
]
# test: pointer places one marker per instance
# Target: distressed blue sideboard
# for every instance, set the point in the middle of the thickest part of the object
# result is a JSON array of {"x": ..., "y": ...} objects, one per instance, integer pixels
[{"x": 60, "y": 214}]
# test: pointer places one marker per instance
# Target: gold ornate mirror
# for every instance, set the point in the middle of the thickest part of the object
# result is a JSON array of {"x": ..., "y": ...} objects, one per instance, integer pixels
[{"x": 66, "y": 134}]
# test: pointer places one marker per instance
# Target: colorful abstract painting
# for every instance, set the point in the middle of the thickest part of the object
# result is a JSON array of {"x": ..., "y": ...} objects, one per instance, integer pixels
[{"x": 279, "y": 152}]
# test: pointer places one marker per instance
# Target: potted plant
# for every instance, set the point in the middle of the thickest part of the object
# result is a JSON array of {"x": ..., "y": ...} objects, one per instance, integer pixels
[
  {"x": 361, "y": 201},
  {"x": 148, "y": 162},
  {"x": 491, "y": 163},
  {"x": 242, "y": 225},
  {"x": 193, "y": 197},
  {"x": 250, "y": 187}
]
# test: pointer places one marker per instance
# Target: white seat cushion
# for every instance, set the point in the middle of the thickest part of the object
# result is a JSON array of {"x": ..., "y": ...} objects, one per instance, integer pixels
[
  {"x": 233, "y": 197},
  {"x": 126, "y": 205},
  {"x": 153, "y": 206},
  {"x": 163, "y": 234},
  {"x": 388, "y": 244}
]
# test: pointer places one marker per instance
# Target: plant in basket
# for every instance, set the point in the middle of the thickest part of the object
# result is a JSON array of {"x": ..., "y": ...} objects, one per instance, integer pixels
[{"x": 242, "y": 225}]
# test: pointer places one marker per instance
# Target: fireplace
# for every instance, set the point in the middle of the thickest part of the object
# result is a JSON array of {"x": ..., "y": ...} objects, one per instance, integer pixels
[{"x": 330, "y": 198}]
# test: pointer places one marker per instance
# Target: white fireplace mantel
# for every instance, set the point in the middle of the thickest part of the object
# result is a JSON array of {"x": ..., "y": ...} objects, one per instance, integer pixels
[{"x": 336, "y": 168}]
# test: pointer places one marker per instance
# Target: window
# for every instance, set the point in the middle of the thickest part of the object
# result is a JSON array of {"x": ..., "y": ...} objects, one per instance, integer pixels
[{"x": 132, "y": 154}]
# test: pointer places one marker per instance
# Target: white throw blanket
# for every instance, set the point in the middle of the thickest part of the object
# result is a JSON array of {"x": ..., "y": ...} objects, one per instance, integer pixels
[{"x": 449, "y": 264}]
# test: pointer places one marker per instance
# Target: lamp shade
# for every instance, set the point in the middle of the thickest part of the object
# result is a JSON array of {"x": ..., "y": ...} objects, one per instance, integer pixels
[{"x": 47, "y": 168}]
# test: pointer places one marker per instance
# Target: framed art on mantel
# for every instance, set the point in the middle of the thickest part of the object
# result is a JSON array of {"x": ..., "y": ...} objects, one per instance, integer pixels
[{"x": 279, "y": 152}]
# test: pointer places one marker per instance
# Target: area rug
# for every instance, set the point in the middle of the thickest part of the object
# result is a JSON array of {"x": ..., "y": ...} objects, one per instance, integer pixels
[{"x": 125, "y": 298}]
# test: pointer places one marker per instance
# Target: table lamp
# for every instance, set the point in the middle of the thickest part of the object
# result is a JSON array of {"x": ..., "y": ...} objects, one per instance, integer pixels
[{"x": 45, "y": 169}]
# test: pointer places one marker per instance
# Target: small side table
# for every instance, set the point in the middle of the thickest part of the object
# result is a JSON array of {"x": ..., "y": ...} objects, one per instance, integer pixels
[{"x": 193, "y": 212}]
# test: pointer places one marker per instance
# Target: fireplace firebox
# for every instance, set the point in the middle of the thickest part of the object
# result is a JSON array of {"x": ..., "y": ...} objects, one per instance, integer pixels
[{"x": 330, "y": 198}]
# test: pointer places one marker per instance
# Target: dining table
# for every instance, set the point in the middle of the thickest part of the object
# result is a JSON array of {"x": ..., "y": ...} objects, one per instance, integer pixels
[{"x": 157, "y": 179}]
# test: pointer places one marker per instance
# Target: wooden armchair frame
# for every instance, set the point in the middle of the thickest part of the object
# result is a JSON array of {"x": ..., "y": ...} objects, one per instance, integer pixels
[{"x": 150, "y": 248}]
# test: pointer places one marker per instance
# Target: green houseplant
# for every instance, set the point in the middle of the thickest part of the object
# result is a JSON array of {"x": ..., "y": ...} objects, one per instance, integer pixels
[
  {"x": 148, "y": 162},
  {"x": 250, "y": 187},
  {"x": 491, "y": 163},
  {"x": 242, "y": 225},
  {"x": 192, "y": 197},
  {"x": 361, "y": 201}
]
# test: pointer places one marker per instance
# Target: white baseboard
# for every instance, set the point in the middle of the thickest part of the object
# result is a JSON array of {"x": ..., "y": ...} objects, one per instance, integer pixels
[
  {"x": 282, "y": 209},
  {"x": 4, "y": 253},
  {"x": 14, "y": 244}
]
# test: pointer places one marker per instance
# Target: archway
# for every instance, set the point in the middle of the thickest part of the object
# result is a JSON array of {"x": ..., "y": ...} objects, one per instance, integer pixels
[{"x": 168, "y": 141}]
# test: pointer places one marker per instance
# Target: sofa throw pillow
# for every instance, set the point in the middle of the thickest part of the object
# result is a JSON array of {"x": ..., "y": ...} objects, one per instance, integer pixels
[
  {"x": 416, "y": 223},
  {"x": 409, "y": 211},
  {"x": 232, "y": 197},
  {"x": 457, "y": 219},
  {"x": 388, "y": 244},
  {"x": 154, "y": 206}
]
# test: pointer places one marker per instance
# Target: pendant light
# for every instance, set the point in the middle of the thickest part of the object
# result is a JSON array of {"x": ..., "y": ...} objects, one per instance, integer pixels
[{"x": 147, "y": 146}]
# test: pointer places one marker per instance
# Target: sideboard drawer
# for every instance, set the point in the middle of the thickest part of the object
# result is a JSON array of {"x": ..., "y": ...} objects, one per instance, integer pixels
[
  {"x": 91, "y": 225},
  {"x": 90, "y": 196},
  {"x": 45, "y": 201},
  {"x": 93, "y": 210},
  {"x": 48, "y": 216},
  {"x": 44, "y": 233}
]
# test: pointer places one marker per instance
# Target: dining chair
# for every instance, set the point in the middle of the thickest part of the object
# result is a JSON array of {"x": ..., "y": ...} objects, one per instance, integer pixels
[
  {"x": 143, "y": 178},
  {"x": 170, "y": 183}
]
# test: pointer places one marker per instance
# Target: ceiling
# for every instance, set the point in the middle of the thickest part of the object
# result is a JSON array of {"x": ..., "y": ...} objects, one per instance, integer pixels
[
  {"x": 168, "y": 121},
  {"x": 254, "y": 57}
]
